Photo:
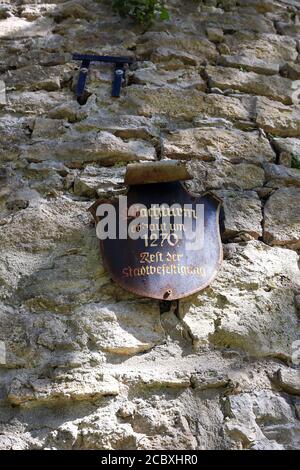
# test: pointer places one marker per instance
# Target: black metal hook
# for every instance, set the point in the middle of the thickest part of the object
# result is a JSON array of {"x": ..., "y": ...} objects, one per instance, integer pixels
[{"x": 119, "y": 72}]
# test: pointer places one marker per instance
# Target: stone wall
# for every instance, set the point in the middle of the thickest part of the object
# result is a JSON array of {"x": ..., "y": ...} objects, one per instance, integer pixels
[{"x": 89, "y": 365}]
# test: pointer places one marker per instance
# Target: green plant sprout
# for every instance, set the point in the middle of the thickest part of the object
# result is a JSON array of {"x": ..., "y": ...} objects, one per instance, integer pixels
[{"x": 142, "y": 11}]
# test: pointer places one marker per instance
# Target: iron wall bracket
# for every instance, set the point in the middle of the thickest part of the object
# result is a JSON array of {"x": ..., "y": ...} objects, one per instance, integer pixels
[{"x": 119, "y": 72}]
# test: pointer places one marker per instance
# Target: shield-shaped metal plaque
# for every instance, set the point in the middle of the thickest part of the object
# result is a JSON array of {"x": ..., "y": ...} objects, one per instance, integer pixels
[{"x": 164, "y": 266}]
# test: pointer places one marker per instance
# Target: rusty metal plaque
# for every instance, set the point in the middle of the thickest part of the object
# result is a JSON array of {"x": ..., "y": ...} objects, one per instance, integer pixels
[{"x": 167, "y": 241}]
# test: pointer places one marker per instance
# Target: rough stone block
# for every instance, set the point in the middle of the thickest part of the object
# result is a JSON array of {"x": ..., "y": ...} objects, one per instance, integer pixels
[
  {"x": 274, "y": 87},
  {"x": 247, "y": 299},
  {"x": 272, "y": 48},
  {"x": 184, "y": 104},
  {"x": 282, "y": 218},
  {"x": 243, "y": 214},
  {"x": 102, "y": 146},
  {"x": 289, "y": 151},
  {"x": 278, "y": 119},
  {"x": 289, "y": 380},
  {"x": 208, "y": 143},
  {"x": 94, "y": 181},
  {"x": 280, "y": 175},
  {"x": 223, "y": 174},
  {"x": 250, "y": 64}
]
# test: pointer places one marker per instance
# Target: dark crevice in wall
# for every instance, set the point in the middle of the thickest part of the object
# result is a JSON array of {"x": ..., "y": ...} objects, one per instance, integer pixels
[
  {"x": 165, "y": 306},
  {"x": 274, "y": 147},
  {"x": 205, "y": 77}
]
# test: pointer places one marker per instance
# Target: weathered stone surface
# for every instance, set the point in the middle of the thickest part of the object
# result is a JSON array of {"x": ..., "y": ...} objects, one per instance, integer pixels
[
  {"x": 69, "y": 110},
  {"x": 37, "y": 102},
  {"x": 268, "y": 6},
  {"x": 102, "y": 368},
  {"x": 275, "y": 87},
  {"x": 222, "y": 174},
  {"x": 187, "y": 78},
  {"x": 46, "y": 51},
  {"x": 280, "y": 175},
  {"x": 2, "y": 93},
  {"x": 124, "y": 126},
  {"x": 237, "y": 21},
  {"x": 282, "y": 218},
  {"x": 16, "y": 341},
  {"x": 289, "y": 151},
  {"x": 207, "y": 381},
  {"x": 173, "y": 58},
  {"x": 4, "y": 12},
  {"x": 193, "y": 47},
  {"x": 289, "y": 380},
  {"x": 36, "y": 77},
  {"x": 290, "y": 29},
  {"x": 94, "y": 181},
  {"x": 32, "y": 12},
  {"x": 11, "y": 441},
  {"x": 276, "y": 427},
  {"x": 202, "y": 121},
  {"x": 241, "y": 307},
  {"x": 243, "y": 214},
  {"x": 14, "y": 131},
  {"x": 45, "y": 214},
  {"x": 277, "y": 118},
  {"x": 271, "y": 48},
  {"x": 93, "y": 146},
  {"x": 163, "y": 171},
  {"x": 14, "y": 27},
  {"x": 183, "y": 103},
  {"x": 73, "y": 9},
  {"x": 48, "y": 167},
  {"x": 291, "y": 70},
  {"x": 213, "y": 143},
  {"x": 64, "y": 387},
  {"x": 215, "y": 34},
  {"x": 120, "y": 329},
  {"x": 45, "y": 128},
  {"x": 250, "y": 64}
]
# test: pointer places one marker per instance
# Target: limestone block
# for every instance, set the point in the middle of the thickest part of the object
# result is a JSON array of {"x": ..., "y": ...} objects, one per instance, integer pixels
[
  {"x": 243, "y": 213},
  {"x": 280, "y": 175},
  {"x": 36, "y": 77},
  {"x": 289, "y": 151},
  {"x": 123, "y": 328},
  {"x": 245, "y": 302},
  {"x": 208, "y": 143},
  {"x": 277, "y": 118},
  {"x": 274, "y": 87},
  {"x": 223, "y": 174},
  {"x": 186, "y": 104},
  {"x": 196, "y": 49},
  {"x": 91, "y": 147},
  {"x": 93, "y": 182},
  {"x": 282, "y": 218},
  {"x": 269, "y": 47},
  {"x": 250, "y": 64},
  {"x": 14, "y": 27},
  {"x": 289, "y": 380}
]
